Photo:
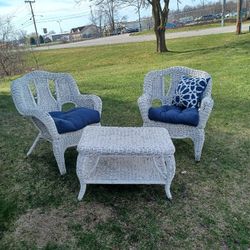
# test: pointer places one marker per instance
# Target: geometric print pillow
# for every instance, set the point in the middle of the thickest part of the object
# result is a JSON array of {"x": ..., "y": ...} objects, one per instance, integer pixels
[{"x": 189, "y": 91}]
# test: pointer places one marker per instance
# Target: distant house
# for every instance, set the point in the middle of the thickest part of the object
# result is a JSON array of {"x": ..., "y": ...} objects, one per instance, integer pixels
[{"x": 88, "y": 31}]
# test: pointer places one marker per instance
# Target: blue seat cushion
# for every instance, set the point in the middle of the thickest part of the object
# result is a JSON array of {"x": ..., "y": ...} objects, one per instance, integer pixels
[
  {"x": 74, "y": 119},
  {"x": 174, "y": 114}
]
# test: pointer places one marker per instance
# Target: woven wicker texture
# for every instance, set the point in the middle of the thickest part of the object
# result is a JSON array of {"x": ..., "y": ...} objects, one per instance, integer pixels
[
  {"x": 34, "y": 98},
  {"x": 115, "y": 155},
  {"x": 161, "y": 85},
  {"x": 113, "y": 140}
]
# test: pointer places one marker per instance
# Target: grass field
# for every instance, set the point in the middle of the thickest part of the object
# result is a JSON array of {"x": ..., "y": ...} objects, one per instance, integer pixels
[{"x": 210, "y": 207}]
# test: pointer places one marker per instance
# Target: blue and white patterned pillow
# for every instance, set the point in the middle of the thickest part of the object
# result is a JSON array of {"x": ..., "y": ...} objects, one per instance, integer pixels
[{"x": 189, "y": 91}]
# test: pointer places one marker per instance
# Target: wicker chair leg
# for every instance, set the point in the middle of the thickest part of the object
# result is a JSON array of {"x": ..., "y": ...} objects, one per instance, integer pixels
[
  {"x": 198, "y": 140},
  {"x": 82, "y": 191},
  {"x": 34, "y": 144},
  {"x": 59, "y": 155}
]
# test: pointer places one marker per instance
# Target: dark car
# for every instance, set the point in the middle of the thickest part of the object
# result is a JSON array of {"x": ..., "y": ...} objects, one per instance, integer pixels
[
  {"x": 208, "y": 17},
  {"x": 131, "y": 30}
]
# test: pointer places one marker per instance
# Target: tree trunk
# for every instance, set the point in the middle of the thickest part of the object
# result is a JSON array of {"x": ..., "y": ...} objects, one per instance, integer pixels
[
  {"x": 139, "y": 19},
  {"x": 160, "y": 19},
  {"x": 160, "y": 40},
  {"x": 238, "y": 24}
]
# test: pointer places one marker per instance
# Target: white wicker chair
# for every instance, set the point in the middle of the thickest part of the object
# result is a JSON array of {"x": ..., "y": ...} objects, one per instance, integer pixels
[
  {"x": 154, "y": 89},
  {"x": 33, "y": 98}
]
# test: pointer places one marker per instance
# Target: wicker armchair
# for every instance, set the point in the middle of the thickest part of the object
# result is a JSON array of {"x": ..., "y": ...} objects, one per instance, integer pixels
[
  {"x": 154, "y": 89},
  {"x": 34, "y": 98}
]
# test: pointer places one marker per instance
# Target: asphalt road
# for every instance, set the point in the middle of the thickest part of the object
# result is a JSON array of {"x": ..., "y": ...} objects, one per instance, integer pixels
[{"x": 126, "y": 38}]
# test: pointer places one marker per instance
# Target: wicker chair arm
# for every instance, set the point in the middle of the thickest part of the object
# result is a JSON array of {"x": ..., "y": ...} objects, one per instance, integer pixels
[
  {"x": 144, "y": 103},
  {"x": 45, "y": 118},
  {"x": 89, "y": 101},
  {"x": 205, "y": 109}
]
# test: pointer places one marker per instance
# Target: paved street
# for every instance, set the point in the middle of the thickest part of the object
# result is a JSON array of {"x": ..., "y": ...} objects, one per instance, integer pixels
[{"x": 126, "y": 38}]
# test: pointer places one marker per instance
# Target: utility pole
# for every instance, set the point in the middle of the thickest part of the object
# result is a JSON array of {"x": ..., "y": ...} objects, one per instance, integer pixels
[
  {"x": 223, "y": 12},
  {"x": 238, "y": 24},
  {"x": 59, "y": 22},
  {"x": 34, "y": 21}
]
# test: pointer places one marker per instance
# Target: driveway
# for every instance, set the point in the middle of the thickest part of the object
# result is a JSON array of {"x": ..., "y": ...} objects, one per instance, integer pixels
[{"x": 126, "y": 38}]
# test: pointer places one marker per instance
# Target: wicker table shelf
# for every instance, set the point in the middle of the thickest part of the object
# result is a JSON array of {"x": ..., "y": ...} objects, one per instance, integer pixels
[{"x": 116, "y": 155}]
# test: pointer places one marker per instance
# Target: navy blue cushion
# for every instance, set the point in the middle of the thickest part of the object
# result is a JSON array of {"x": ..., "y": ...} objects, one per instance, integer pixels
[
  {"x": 189, "y": 91},
  {"x": 74, "y": 119},
  {"x": 174, "y": 114}
]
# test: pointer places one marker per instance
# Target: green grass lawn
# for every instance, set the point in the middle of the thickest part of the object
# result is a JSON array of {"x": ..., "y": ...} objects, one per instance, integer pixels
[{"x": 210, "y": 207}]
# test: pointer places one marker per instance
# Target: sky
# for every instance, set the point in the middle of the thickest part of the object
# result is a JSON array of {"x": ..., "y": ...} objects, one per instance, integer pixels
[{"x": 61, "y": 15}]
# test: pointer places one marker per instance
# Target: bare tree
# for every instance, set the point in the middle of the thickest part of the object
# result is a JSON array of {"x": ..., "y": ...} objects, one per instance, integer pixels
[
  {"x": 97, "y": 18},
  {"x": 203, "y": 2},
  {"x": 11, "y": 56},
  {"x": 160, "y": 13},
  {"x": 138, "y": 4},
  {"x": 110, "y": 10}
]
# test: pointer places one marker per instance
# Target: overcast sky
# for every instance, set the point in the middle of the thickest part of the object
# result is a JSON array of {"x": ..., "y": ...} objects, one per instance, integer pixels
[{"x": 62, "y": 15}]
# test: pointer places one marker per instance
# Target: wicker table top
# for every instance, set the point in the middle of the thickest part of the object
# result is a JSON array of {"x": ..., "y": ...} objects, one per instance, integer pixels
[{"x": 125, "y": 141}]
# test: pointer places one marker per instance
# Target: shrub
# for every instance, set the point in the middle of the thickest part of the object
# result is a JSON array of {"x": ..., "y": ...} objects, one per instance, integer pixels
[{"x": 12, "y": 56}]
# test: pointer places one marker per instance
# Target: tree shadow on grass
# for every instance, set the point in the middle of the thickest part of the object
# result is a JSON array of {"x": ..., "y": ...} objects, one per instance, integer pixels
[
  {"x": 229, "y": 45},
  {"x": 6, "y": 103}
]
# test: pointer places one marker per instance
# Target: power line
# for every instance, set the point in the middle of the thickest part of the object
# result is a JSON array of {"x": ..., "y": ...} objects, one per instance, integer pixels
[
  {"x": 81, "y": 14},
  {"x": 28, "y": 22},
  {"x": 52, "y": 19},
  {"x": 21, "y": 19}
]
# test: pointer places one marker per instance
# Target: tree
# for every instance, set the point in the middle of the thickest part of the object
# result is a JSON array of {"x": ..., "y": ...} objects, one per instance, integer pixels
[
  {"x": 160, "y": 15},
  {"x": 138, "y": 4},
  {"x": 22, "y": 37},
  {"x": 109, "y": 9},
  {"x": 11, "y": 55},
  {"x": 160, "y": 10},
  {"x": 41, "y": 39},
  {"x": 97, "y": 18},
  {"x": 238, "y": 24},
  {"x": 32, "y": 41}
]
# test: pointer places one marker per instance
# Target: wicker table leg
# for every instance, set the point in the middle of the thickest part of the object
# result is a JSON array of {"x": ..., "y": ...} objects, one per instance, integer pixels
[
  {"x": 82, "y": 191},
  {"x": 85, "y": 166},
  {"x": 170, "y": 163}
]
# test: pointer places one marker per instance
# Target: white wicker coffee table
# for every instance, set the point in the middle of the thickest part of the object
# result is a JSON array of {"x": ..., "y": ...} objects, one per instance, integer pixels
[{"x": 125, "y": 155}]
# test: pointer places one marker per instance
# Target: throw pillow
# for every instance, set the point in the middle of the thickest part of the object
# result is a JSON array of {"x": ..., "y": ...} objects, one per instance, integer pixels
[{"x": 189, "y": 91}]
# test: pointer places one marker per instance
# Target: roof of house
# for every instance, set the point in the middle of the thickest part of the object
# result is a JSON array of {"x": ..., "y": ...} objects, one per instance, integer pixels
[{"x": 80, "y": 28}]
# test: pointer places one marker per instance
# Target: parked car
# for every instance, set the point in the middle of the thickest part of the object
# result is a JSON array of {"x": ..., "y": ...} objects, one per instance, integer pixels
[
  {"x": 208, "y": 17},
  {"x": 231, "y": 14},
  {"x": 186, "y": 19},
  {"x": 218, "y": 16},
  {"x": 178, "y": 23},
  {"x": 171, "y": 26},
  {"x": 131, "y": 30}
]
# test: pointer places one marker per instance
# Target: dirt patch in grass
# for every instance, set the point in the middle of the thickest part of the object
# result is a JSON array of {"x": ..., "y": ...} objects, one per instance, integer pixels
[
  {"x": 91, "y": 214},
  {"x": 41, "y": 228},
  {"x": 38, "y": 227}
]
